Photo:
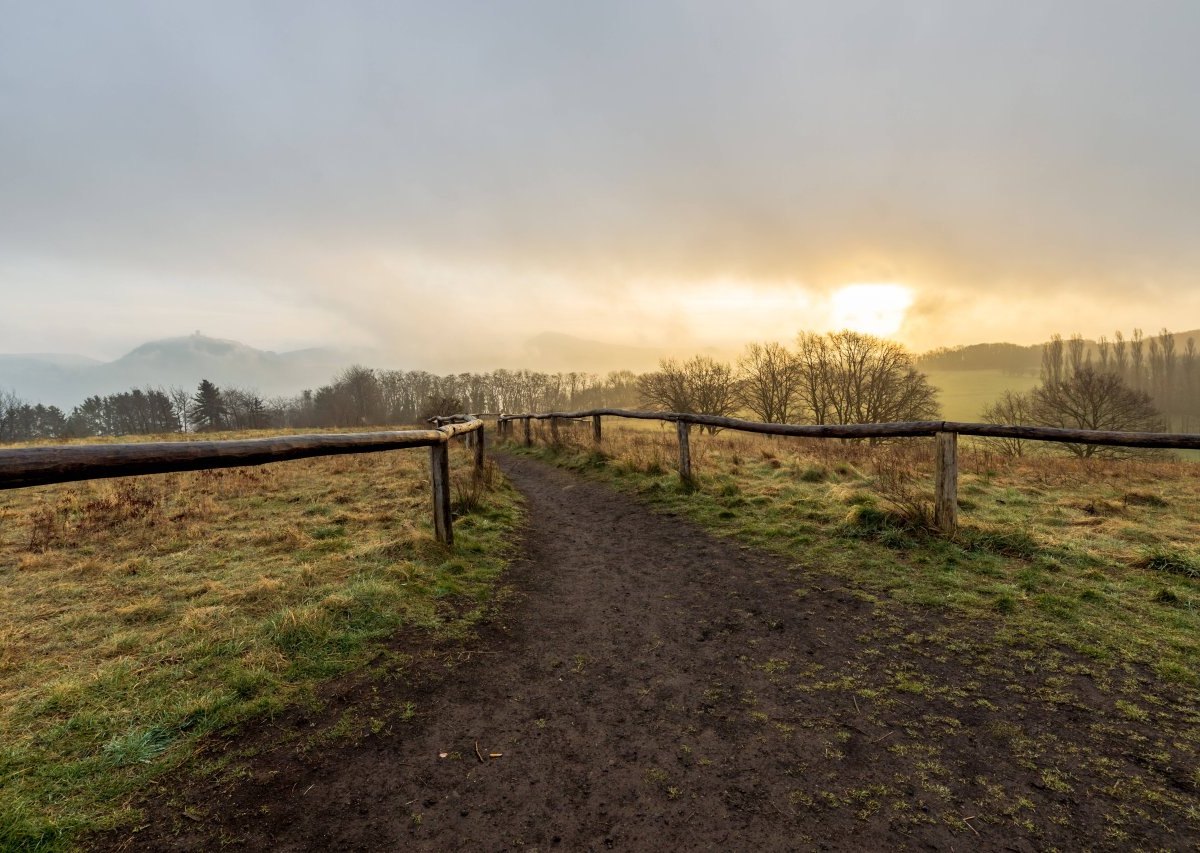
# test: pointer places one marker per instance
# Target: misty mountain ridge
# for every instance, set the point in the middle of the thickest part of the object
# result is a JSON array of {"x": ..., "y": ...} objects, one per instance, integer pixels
[
  {"x": 57, "y": 359},
  {"x": 66, "y": 379}
]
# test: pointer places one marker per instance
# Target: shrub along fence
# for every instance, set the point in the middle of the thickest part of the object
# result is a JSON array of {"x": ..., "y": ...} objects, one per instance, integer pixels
[
  {"x": 39, "y": 466},
  {"x": 945, "y": 434}
]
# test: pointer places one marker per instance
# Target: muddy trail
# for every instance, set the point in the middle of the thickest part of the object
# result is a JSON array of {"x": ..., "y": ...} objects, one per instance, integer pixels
[{"x": 650, "y": 687}]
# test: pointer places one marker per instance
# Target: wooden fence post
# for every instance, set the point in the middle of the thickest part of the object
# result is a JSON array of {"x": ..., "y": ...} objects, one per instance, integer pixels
[
  {"x": 439, "y": 474},
  {"x": 945, "y": 509},
  {"x": 596, "y": 434},
  {"x": 528, "y": 433},
  {"x": 682, "y": 428},
  {"x": 554, "y": 437},
  {"x": 479, "y": 443}
]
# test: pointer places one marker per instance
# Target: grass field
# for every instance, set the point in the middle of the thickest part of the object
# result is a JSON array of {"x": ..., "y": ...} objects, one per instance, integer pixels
[
  {"x": 1083, "y": 576},
  {"x": 964, "y": 394},
  {"x": 1103, "y": 557},
  {"x": 138, "y": 614}
]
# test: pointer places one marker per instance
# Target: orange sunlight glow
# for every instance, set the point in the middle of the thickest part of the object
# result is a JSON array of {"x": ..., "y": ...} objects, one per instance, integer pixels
[{"x": 875, "y": 308}]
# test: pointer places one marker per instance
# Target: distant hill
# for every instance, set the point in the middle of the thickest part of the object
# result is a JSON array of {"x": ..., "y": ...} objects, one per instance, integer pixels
[
  {"x": 64, "y": 379},
  {"x": 1013, "y": 358}
]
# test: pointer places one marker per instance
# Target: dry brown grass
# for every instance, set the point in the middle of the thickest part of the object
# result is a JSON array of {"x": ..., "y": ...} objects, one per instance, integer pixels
[{"x": 136, "y": 613}]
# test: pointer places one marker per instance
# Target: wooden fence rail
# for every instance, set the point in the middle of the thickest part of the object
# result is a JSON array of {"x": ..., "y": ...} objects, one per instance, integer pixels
[
  {"x": 945, "y": 432},
  {"x": 39, "y": 466}
]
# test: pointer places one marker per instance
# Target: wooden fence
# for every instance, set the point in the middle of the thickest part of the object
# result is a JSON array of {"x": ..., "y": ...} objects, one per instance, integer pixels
[
  {"x": 38, "y": 466},
  {"x": 945, "y": 434}
]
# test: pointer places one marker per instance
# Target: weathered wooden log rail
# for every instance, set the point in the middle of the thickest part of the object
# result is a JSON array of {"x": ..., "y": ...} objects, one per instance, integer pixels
[
  {"x": 945, "y": 432},
  {"x": 39, "y": 466}
]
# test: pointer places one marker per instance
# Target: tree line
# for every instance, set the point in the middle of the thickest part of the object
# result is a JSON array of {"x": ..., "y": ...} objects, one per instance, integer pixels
[
  {"x": 358, "y": 396},
  {"x": 1137, "y": 383},
  {"x": 1155, "y": 365},
  {"x": 1121, "y": 386},
  {"x": 841, "y": 377},
  {"x": 1012, "y": 359}
]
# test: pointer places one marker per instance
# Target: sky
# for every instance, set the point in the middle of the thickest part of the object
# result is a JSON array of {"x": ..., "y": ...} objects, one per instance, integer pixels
[{"x": 440, "y": 182}]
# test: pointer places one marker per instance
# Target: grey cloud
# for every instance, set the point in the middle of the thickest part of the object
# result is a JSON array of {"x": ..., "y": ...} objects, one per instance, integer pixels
[{"x": 976, "y": 142}]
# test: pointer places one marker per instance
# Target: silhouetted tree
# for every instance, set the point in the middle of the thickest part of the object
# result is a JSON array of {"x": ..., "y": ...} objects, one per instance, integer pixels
[
  {"x": 208, "y": 408},
  {"x": 22, "y": 421},
  {"x": 181, "y": 403},
  {"x": 1092, "y": 399},
  {"x": 1053, "y": 361},
  {"x": 1013, "y": 409},
  {"x": 769, "y": 378},
  {"x": 441, "y": 406},
  {"x": 699, "y": 385},
  {"x": 853, "y": 378}
]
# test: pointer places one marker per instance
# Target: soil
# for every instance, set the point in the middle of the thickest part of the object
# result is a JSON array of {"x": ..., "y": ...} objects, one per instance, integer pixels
[{"x": 649, "y": 687}]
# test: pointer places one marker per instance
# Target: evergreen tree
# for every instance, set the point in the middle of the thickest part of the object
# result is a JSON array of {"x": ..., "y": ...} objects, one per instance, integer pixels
[{"x": 208, "y": 408}]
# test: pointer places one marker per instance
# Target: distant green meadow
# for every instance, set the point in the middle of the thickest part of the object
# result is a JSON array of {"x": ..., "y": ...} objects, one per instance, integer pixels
[{"x": 964, "y": 394}]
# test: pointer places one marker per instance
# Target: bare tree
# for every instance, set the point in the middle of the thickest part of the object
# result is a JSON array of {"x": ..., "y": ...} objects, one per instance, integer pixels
[
  {"x": 245, "y": 409},
  {"x": 813, "y": 366},
  {"x": 364, "y": 398},
  {"x": 1166, "y": 345},
  {"x": 1053, "y": 361},
  {"x": 770, "y": 379},
  {"x": 440, "y": 405},
  {"x": 853, "y": 378},
  {"x": 1103, "y": 352},
  {"x": 1190, "y": 388},
  {"x": 1013, "y": 409},
  {"x": 1077, "y": 354},
  {"x": 1120, "y": 356},
  {"x": 1137, "y": 360},
  {"x": 1094, "y": 400},
  {"x": 699, "y": 385},
  {"x": 181, "y": 402}
]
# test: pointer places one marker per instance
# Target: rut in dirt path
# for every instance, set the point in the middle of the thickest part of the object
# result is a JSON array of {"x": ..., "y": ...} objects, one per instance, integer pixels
[{"x": 652, "y": 687}]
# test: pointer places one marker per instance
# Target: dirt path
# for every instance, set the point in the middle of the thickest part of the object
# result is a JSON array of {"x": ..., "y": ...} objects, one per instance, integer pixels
[{"x": 652, "y": 687}]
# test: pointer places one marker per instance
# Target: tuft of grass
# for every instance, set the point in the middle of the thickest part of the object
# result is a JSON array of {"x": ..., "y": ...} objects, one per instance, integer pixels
[
  {"x": 1169, "y": 561},
  {"x": 1166, "y": 596},
  {"x": 813, "y": 474},
  {"x": 1006, "y": 543},
  {"x": 137, "y": 746},
  {"x": 1144, "y": 499},
  {"x": 869, "y": 518}
]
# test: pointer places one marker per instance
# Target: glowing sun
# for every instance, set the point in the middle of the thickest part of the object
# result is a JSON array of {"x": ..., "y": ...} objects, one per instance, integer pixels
[{"x": 876, "y": 309}]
